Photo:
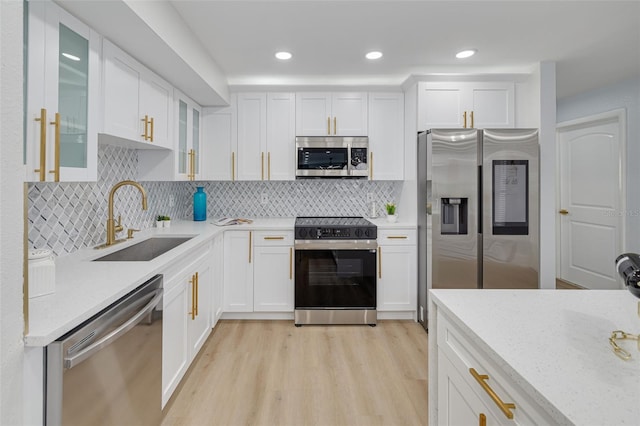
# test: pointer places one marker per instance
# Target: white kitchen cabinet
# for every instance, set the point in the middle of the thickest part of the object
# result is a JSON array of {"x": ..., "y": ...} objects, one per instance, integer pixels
[
  {"x": 469, "y": 384},
  {"x": 187, "y": 152},
  {"x": 186, "y": 318},
  {"x": 220, "y": 141},
  {"x": 397, "y": 270},
  {"x": 281, "y": 136},
  {"x": 252, "y": 135},
  {"x": 63, "y": 80},
  {"x": 331, "y": 114},
  {"x": 138, "y": 104},
  {"x": 466, "y": 105},
  {"x": 386, "y": 136},
  {"x": 238, "y": 271},
  {"x": 273, "y": 271},
  {"x": 217, "y": 297}
]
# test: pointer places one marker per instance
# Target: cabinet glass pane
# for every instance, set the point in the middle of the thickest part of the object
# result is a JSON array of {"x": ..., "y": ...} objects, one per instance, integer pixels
[
  {"x": 196, "y": 138},
  {"x": 182, "y": 138},
  {"x": 73, "y": 83}
]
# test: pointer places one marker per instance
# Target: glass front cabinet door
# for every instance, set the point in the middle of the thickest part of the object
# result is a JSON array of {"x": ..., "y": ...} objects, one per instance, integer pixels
[
  {"x": 62, "y": 92},
  {"x": 188, "y": 138}
]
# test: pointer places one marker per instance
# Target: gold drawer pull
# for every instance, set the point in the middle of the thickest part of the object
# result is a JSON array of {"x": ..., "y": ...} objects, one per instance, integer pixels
[
  {"x": 482, "y": 420},
  {"x": 274, "y": 238},
  {"x": 397, "y": 237},
  {"x": 563, "y": 211},
  {"x": 506, "y": 407}
]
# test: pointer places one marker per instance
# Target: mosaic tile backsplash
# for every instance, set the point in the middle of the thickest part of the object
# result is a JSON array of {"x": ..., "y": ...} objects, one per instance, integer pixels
[{"x": 68, "y": 216}]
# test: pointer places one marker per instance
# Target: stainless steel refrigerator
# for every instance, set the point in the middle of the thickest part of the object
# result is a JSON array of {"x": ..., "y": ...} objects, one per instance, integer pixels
[{"x": 484, "y": 189}]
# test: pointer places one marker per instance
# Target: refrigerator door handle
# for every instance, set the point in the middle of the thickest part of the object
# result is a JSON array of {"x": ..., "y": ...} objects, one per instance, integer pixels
[{"x": 480, "y": 207}]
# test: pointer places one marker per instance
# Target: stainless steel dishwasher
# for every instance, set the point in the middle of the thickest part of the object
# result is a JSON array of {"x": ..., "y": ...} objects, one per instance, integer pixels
[{"x": 108, "y": 370}]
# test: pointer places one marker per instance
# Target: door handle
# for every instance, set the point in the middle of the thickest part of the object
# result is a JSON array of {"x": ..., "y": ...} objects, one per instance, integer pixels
[
  {"x": 464, "y": 117},
  {"x": 56, "y": 148},
  {"x": 563, "y": 212},
  {"x": 43, "y": 144}
]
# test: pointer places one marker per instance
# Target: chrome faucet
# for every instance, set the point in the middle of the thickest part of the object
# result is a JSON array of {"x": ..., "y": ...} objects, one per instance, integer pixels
[{"x": 112, "y": 228}]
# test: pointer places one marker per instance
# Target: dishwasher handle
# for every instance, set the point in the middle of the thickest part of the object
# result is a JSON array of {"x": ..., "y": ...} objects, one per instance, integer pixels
[{"x": 72, "y": 361}]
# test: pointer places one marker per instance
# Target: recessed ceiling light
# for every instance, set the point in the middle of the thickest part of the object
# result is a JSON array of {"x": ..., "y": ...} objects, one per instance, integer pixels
[
  {"x": 466, "y": 53},
  {"x": 374, "y": 55},
  {"x": 284, "y": 55},
  {"x": 70, "y": 56}
]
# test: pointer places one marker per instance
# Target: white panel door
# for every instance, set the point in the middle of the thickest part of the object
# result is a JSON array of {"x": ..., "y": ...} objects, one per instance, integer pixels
[
  {"x": 252, "y": 135},
  {"x": 238, "y": 271},
  {"x": 591, "y": 202},
  {"x": 349, "y": 114},
  {"x": 273, "y": 283},
  {"x": 156, "y": 101},
  {"x": 219, "y": 143},
  {"x": 281, "y": 136},
  {"x": 313, "y": 114},
  {"x": 492, "y": 105},
  {"x": 386, "y": 136},
  {"x": 397, "y": 279}
]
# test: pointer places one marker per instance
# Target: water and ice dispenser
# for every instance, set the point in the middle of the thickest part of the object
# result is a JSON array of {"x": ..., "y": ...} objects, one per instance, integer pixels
[{"x": 454, "y": 217}]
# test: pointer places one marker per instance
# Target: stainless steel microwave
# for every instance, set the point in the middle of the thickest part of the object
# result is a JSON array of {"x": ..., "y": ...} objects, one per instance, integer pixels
[{"x": 332, "y": 157}]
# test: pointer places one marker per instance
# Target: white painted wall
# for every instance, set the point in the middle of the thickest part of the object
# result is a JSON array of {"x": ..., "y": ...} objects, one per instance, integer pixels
[
  {"x": 626, "y": 95},
  {"x": 11, "y": 213}
]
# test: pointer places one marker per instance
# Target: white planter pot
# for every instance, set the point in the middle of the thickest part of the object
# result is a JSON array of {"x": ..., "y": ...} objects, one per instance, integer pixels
[
  {"x": 159, "y": 223},
  {"x": 166, "y": 224},
  {"x": 393, "y": 218}
]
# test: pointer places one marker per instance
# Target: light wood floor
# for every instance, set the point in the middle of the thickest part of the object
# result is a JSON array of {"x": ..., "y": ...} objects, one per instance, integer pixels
[{"x": 273, "y": 373}]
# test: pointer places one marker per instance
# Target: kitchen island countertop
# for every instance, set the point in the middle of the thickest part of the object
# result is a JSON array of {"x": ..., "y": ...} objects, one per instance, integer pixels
[{"x": 555, "y": 345}]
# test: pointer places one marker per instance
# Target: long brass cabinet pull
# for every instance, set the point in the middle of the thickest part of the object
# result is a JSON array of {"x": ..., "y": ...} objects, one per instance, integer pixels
[
  {"x": 262, "y": 166},
  {"x": 197, "y": 292},
  {"x": 506, "y": 407},
  {"x": 56, "y": 150},
  {"x": 192, "y": 281},
  {"x": 335, "y": 125},
  {"x": 268, "y": 165},
  {"x": 151, "y": 127},
  {"x": 328, "y": 125},
  {"x": 472, "y": 125},
  {"x": 233, "y": 166},
  {"x": 379, "y": 262},
  {"x": 43, "y": 144},
  {"x": 146, "y": 127},
  {"x": 274, "y": 238},
  {"x": 249, "y": 246},
  {"x": 464, "y": 118},
  {"x": 397, "y": 237},
  {"x": 563, "y": 212},
  {"x": 290, "y": 263}
]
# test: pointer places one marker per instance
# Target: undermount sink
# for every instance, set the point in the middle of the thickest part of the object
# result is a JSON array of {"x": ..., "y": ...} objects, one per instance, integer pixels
[{"x": 145, "y": 250}]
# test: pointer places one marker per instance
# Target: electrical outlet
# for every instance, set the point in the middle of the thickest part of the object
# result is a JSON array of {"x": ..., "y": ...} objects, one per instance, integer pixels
[
  {"x": 369, "y": 197},
  {"x": 172, "y": 201},
  {"x": 264, "y": 198}
]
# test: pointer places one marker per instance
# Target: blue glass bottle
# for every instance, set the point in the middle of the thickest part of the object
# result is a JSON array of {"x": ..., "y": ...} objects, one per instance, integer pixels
[{"x": 199, "y": 204}]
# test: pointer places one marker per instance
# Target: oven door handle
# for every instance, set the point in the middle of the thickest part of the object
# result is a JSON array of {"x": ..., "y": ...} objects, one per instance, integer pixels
[
  {"x": 336, "y": 245},
  {"x": 72, "y": 361}
]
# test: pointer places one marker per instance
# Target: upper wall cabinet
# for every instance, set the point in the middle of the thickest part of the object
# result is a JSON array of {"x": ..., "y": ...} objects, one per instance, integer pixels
[
  {"x": 386, "y": 136},
  {"x": 220, "y": 140},
  {"x": 137, "y": 103},
  {"x": 63, "y": 96},
  {"x": 466, "y": 105},
  {"x": 331, "y": 114},
  {"x": 188, "y": 150}
]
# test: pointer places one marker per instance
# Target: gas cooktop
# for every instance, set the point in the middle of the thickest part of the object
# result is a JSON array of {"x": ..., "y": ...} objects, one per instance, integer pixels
[{"x": 352, "y": 228}]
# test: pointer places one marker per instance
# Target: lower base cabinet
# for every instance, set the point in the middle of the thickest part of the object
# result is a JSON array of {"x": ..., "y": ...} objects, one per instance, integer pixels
[
  {"x": 397, "y": 270},
  {"x": 186, "y": 319}
]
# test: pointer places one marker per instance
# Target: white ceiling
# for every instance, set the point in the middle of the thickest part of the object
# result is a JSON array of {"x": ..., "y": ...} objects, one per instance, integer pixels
[{"x": 594, "y": 43}]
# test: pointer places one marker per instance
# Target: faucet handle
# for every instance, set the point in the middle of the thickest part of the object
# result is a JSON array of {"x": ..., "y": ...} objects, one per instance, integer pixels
[
  {"x": 118, "y": 227},
  {"x": 130, "y": 232}
]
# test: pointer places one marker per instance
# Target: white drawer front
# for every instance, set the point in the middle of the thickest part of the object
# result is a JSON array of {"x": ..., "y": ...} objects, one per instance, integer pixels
[
  {"x": 273, "y": 238},
  {"x": 396, "y": 236}
]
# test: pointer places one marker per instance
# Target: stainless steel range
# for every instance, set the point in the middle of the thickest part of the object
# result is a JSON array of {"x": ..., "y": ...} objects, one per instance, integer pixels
[{"x": 335, "y": 281}]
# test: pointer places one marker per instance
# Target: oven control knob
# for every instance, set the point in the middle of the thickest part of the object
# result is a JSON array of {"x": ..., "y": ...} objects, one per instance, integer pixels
[
  {"x": 318, "y": 233},
  {"x": 368, "y": 233},
  {"x": 302, "y": 233},
  {"x": 359, "y": 233}
]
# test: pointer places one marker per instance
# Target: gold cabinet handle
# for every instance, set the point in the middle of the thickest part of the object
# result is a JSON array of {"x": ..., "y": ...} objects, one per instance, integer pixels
[
  {"x": 193, "y": 168},
  {"x": 146, "y": 127},
  {"x": 190, "y": 155},
  {"x": 563, "y": 212},
  {"x": 464, "y": 118},
  {"x": 290, "y": 263},
  {"x": 379, "y": 262},
  {"x": 506, "y": 407},
  {"x": 43, "y": 144},
  {"x": 482, "y": 420},
  {"x": 397, "y": 237},
  {"x": 472, "y": 125},
  {"x": 262, "y": 166},
  {"x": 192, "y": 281},
  {"x": 328, "y": 125},
  {"x": 233, "y": 166},
  {"x": 371, "y": 166},
  {"x": 268, "y": 165},
  {"x": 335, "y": 125},
  {"x": 274, "y": 238},
  {"x": 249, "y": 246},
  {"x": 151, "y": 127},
  {"x": 197, "y": 292},
  {"x": 56, "y": 148}
]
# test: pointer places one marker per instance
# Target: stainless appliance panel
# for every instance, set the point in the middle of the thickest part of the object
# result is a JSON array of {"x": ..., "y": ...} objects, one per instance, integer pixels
[
  {"x": 454, "y": 163},
  {"x": 510, "y": 228},
  {"x": 108, "y": 371},
  {"x": 332, "y": 156},
  {"x": 335, "y": 316},
  {"x": 422, "y": 222}
]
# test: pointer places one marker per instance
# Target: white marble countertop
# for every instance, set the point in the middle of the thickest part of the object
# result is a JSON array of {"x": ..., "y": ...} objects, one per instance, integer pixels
[
  {"x": 83, "y": 287},
  {"x": 555, "y": 345}
]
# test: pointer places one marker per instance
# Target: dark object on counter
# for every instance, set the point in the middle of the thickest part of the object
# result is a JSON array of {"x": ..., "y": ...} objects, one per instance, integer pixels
[{"x": 628, "y": 266}]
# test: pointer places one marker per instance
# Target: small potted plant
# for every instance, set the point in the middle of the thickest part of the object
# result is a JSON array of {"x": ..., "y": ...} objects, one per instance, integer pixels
[
  {"x": 391, "y": 212},
  {"x": 163, "y": 221}
]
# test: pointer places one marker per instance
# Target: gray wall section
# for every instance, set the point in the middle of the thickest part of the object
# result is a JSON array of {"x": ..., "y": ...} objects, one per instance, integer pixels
[{"x": 625, "y": 95}]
